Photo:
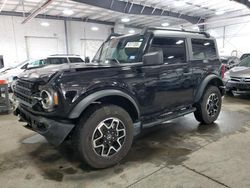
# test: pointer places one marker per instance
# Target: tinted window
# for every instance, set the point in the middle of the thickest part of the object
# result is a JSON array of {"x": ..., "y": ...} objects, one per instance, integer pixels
[
  {"x": 245, "y": 62},
  {"x": 57, "y": 60},
  {"x": 203, "y": 49},
  {"x": 174, "y": 50},
  {"x": 244, "y": 56},
  {"x": 75, "y": 60}
]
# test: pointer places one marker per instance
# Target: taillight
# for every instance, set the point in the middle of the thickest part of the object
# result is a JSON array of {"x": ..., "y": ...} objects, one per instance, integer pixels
[{"x": 223, "y": 69}]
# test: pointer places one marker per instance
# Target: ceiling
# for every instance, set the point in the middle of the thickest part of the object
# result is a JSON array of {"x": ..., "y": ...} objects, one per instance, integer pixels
[{"x": 198, "y": 8}]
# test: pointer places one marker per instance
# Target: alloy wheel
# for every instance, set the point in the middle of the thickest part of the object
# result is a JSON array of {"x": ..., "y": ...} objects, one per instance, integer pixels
[
  {"x": 212, "y": 104},
  {"x": 108, "y": 137}
]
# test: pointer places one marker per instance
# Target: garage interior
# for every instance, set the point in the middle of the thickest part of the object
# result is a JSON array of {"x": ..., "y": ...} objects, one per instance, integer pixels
[{"x": 177, "y": 153}]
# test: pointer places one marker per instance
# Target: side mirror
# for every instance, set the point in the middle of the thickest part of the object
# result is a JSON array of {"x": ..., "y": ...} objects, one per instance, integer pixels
[
  {"x": 153, "y": 58},
  {"x": 87, "y": 60}
]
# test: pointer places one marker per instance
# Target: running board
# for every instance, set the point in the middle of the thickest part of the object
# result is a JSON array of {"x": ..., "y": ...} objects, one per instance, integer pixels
[{"x": 169, "y": 116}]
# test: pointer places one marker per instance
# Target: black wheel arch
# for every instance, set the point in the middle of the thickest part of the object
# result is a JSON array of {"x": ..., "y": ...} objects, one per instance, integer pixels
[
  {"x": 209, "y": 80},
  {"x": 111, "y": 96}
]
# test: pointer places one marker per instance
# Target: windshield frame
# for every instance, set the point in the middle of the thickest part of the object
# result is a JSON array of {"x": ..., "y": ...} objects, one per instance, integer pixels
[{"x": 138, "y": 59}]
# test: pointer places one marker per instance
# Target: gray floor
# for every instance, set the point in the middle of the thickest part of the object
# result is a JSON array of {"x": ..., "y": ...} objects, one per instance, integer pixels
[{"x": 180, "y": 153}]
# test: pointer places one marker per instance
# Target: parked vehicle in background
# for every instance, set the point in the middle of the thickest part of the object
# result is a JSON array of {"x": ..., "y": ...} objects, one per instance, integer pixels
[
  {"x": 35, "y": 64},
  {"x": 140, "y": 80},
  {"x": 230, "y": 61},
  {"x": 11, "y": 74},
  {"x": 244, "y": 56},
  {"x": 237, "y": 80},
  {"x": 62, "y": 59}
]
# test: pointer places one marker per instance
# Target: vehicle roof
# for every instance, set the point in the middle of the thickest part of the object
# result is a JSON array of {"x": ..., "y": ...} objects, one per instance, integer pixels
[
  {"x": 63, "y": 55},
  {"x": 183, "y": 34}
]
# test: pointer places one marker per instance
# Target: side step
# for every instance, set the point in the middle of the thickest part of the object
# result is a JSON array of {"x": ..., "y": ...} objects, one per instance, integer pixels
[{"x": 169, "y": 116}]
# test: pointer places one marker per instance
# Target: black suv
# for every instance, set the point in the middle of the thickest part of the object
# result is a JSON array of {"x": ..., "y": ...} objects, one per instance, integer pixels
[{"x": 136, "y": 81}]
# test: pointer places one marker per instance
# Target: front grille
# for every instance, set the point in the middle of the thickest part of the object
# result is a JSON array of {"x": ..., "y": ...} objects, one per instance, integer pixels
[
  {"x": 24, "y": 91},
  {"x": 240, "y": 79}
]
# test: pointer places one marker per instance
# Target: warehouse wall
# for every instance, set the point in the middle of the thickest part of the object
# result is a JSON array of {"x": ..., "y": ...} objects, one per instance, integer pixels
[
  {"x": 16, "y": 37},
  {"x": 231, "y": 34}
]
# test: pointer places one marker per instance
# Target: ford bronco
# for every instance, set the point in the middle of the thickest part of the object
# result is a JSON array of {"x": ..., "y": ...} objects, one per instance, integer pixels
[{"x": 135, "y": 81}]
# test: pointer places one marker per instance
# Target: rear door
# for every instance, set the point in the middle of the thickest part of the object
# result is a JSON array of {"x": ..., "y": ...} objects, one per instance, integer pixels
[
  {"x": 204, "y": 59},
  {"x": 169, "y": 86}
]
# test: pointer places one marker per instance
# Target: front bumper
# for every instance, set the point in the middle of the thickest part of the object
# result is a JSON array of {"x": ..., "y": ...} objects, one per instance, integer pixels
[
  {"x": 238, "y": 87},
  {"x": 53, "y": 130}
]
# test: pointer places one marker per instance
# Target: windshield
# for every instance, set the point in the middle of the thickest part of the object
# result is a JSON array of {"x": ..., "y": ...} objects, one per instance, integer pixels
[
  {"x": 245, "y": 62},
  {"x": 120, "y": 50}
]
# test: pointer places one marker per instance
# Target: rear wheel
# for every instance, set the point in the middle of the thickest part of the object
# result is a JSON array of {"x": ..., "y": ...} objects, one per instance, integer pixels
[
  {"x": 208, "y": 109},
  {"x": 104, "y": 136}
]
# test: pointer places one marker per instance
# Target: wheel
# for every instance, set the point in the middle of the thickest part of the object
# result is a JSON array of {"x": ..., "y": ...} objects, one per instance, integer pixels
[
  {"x": 208, "y": 109},
  {"x": 104, "y": 135}
]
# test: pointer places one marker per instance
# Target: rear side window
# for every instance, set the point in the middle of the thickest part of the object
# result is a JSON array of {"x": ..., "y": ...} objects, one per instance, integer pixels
[
  {"x": 57, "y": 60},
  {"x": 203, "y": 49},
  {"x": 75, "y": 60},
  {"x": 174, "y": 49}
]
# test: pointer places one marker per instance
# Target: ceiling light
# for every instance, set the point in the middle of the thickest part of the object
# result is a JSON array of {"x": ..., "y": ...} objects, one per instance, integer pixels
[
  {"x": 94, "y": 28},
  {"x": 131, "y": 31},
  {"x": 68, "y": 12},
  {"x": 125, "y": 20},
  {"x": 220, "y": 12},
  {"x": 170, "y": 57},
  {"x": 206, "y": 44},
  {"x": 45, "y": 24},
  {"x": 179, "y": 3},
  {"x": 165, "y": 24}
]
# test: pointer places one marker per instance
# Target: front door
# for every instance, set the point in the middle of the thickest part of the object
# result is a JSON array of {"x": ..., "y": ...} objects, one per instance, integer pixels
[{"x": 168, "y": 86}]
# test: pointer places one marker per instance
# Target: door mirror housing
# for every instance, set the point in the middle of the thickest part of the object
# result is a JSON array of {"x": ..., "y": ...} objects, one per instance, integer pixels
[{"x": 153, "y": 58}]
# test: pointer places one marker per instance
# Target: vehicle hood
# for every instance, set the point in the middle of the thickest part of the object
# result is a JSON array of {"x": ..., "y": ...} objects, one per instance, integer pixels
[
  {"x": 48, "y": 71},
  {"x": 240, "y": 72},
  {"x": 5, "y": 69},
  {"x": 10, "y": 73}
]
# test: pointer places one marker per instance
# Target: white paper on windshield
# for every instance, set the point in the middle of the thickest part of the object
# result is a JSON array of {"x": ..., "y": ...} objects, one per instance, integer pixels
[{"x": 133, "y": 45}]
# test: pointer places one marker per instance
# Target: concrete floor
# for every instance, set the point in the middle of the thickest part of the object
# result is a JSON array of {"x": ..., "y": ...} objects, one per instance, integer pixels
[{"x": 180, "y": 153}]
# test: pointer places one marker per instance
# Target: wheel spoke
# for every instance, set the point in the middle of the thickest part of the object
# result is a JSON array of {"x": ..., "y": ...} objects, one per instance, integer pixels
[
  {"x": 108, "y": 137},
  {"x": 212, "y": 104}
]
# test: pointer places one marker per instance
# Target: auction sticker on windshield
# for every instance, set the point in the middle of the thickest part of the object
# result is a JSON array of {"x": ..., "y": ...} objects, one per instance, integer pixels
[{"x": 133, "y": 45}]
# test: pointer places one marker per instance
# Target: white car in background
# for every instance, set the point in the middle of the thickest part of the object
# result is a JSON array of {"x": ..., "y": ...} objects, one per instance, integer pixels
[{"x": 11, "y": 74}]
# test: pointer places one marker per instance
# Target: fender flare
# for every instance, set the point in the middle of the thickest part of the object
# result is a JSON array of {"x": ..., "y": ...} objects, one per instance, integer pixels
[
  {"x": 84, "y": 103},
  {"x": 204, "y": 84}
]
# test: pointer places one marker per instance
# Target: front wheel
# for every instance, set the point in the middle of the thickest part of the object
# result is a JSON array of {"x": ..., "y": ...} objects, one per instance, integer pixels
[
  {"x": 209, "y": 107},
  {"x": 104, "y": 136}
]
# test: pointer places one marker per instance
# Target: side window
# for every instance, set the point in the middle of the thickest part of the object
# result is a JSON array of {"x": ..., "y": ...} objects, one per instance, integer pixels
[
  {"x": 57, "y": 60},
  {"x": 203, "y": 49},
  {"x": 75, "y": 60},
  {"x": 174, "y": 49}
]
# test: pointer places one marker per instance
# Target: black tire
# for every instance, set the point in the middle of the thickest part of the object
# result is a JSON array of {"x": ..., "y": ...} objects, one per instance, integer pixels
[
  {"x": 202, "y": 114},
  {"x": 86, "y": 128}
]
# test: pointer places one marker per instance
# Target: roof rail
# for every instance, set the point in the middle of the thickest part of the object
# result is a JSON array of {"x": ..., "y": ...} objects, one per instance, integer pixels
[
  {"x": 146, "y": 29},
  {"x": 64, "y": 55}
]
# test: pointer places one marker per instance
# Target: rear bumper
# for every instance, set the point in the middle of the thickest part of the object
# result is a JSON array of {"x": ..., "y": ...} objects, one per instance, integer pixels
[{"x": 54, "y": 131}]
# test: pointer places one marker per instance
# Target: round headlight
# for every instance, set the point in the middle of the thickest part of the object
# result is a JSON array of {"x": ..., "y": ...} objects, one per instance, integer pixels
[{"x": 47, "y": 100}]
